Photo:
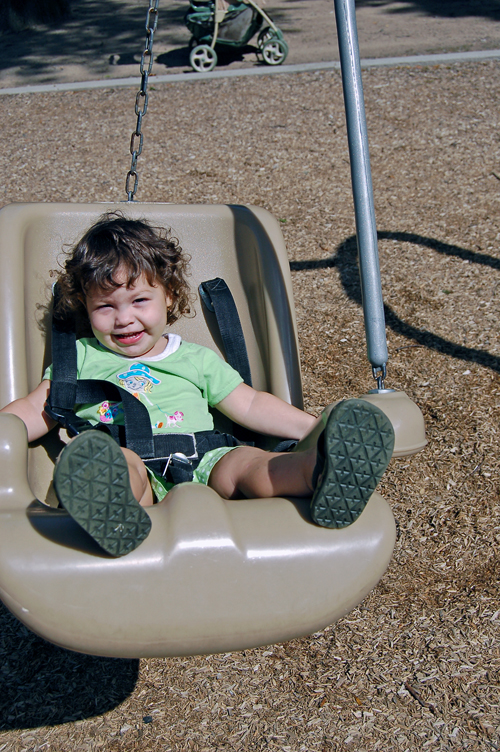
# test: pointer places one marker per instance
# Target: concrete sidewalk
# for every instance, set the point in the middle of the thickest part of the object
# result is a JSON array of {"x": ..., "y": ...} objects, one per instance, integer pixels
[{"x": 377, "y": 62}]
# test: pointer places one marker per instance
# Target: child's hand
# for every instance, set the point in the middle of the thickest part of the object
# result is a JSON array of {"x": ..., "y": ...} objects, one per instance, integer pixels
[{"x": 265, "y": 413}]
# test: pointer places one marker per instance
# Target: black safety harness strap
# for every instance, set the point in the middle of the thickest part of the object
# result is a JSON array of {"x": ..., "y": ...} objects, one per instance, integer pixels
[
  {"x": 217, "y": 297},
  {"x": 62, "y": 397}
]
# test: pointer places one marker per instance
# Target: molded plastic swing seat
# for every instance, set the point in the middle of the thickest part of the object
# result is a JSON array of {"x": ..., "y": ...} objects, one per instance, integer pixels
[{"x": 213, "y": 576}]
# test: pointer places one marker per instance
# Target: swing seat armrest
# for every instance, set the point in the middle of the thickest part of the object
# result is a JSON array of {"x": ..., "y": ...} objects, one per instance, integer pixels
[{"x": 15, "y": 491}]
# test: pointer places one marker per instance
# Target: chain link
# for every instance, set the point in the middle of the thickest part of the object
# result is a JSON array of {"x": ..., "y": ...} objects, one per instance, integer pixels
[{"x": 141, "y": 100}]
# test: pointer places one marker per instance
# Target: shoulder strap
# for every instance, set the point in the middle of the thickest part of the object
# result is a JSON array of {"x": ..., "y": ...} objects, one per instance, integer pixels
[
  {"x": 62, "y": 396},
  {"x": 64, "y": 359},
  {"x": 217, "y": 297}
]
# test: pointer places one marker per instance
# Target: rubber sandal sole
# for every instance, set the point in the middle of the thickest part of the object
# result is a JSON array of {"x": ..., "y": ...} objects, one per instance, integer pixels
[
  {"x": 358, "y": 442},
  {"x": 91, "y": 481}
]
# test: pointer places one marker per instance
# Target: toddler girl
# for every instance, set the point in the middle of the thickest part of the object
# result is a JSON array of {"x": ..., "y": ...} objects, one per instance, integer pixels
[{"x": 129, "y": 282}]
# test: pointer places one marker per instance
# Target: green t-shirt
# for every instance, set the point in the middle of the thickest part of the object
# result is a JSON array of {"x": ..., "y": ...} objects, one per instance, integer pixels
[{"x": 177, "y": 386}]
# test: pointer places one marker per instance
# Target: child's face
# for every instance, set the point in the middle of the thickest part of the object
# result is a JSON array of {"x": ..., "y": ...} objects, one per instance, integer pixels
[{"x": 130, "y": 320}]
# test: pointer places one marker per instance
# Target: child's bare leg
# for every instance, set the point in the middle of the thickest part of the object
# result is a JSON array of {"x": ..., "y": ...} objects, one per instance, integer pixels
[
  {"x": 139, "y": 480},
  {"x": 340, "y": 474},
  {"x": 254, "y": 473}
]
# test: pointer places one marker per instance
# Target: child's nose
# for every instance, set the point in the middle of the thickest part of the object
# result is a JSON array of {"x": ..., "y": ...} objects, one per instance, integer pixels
[{"x": 123, "y": 316}]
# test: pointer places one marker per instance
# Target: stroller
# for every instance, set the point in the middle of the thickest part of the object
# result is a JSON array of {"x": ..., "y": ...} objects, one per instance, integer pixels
[{"x": 232, "y": 23}]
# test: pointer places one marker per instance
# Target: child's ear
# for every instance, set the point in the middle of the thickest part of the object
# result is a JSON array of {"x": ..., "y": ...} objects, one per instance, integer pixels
[{"x": 168, "y": 299}]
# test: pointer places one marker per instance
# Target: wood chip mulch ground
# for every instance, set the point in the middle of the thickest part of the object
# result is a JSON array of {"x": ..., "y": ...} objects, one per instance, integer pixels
[{"x": 416, "y": 666}]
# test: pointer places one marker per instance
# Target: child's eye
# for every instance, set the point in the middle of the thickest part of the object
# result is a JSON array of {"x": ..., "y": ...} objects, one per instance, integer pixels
[{"x": 141, "y": 300}]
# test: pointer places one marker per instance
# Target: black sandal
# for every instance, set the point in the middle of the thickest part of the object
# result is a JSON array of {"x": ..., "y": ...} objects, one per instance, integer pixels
[
  {"x": 91, "y": 481},
  {"x": 353, "y": 453}
]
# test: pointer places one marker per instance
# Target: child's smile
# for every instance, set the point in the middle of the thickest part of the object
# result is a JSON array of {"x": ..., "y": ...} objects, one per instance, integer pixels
[
  {"x": 129, "y": 339},
  {"x": 130, "y": 320}
]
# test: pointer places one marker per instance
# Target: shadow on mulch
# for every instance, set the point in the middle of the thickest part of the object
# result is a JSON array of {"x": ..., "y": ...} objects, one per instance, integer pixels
[
  {"x": 345, "y": 260},
  {"x": 90, "y": 30},
  {"x": 43, "y": 685},
  {"x": 225, "y": 56}
]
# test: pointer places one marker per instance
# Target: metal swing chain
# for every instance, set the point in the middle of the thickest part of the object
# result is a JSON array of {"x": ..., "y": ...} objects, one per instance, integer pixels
[{"x": 141, "y": 100}]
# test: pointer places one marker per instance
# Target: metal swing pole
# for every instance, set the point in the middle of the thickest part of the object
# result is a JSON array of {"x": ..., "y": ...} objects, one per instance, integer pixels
[
  {"x": 406, "y": 417},
  {"x": 362, "y": 189}
]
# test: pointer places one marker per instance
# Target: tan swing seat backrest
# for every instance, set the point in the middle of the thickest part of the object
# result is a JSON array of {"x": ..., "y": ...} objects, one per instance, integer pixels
[{"x": 212, "y": 576}]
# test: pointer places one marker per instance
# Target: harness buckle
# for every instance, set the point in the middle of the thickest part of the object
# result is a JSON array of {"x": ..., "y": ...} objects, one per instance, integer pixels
[
  {"x": 193, "y": 456},
  {"x": 176, "y": 463},
  {"x": 180, "y": 458},
  {"x": 177, "y": 466},
  {"x": 68, "y": 419}
]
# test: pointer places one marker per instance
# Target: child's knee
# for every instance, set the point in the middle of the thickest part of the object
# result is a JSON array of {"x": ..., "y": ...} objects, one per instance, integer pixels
[
  {"x": 139, "y": 479},
  {"x": 134, "y": 462},
  {"x": 230, "y": 472},
  {"x": 221, "y": 478}
]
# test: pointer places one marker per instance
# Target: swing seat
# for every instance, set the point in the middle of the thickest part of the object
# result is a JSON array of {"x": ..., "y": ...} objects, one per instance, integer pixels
[{"x": 213, "y": 576}]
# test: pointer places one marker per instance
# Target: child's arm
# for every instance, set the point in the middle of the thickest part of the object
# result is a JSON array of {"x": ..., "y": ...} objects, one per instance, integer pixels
[
  {"x": 31, "y": 411},
  {"x": 265, "y": 413}
]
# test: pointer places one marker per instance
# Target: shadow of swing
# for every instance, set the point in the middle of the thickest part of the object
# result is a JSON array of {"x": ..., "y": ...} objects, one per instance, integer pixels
[
  {"x": 44, "y": 685},
  {"x": 345, "y": 260}
]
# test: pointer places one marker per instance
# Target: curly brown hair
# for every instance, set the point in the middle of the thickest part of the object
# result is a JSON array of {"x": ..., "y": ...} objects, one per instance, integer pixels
[{"x": 113, "y": 242}]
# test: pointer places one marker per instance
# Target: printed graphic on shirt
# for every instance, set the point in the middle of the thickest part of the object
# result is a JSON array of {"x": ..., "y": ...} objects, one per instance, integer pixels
[
  {"x": 171, "y": 420},
  {"x": 140, "y": 382},
  {"x": 138, "y": 379},
  {"x": 109, "y": 411}
]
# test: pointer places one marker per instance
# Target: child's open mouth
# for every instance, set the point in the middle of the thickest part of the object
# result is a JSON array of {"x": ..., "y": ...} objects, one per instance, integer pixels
[{"x": 130, "y": 338}]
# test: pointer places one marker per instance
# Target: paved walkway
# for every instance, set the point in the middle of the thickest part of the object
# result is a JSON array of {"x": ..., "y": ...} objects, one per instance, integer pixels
[{"x": 447, "y": 57}]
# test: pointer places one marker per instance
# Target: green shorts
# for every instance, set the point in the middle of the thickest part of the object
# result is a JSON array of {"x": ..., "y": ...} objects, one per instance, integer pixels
[{"x": 161, "y": 486}]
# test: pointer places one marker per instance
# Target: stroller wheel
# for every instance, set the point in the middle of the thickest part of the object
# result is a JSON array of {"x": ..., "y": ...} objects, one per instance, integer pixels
[
  {"x": 264, "y": 36},
  {"x": 203, "y": 58},
  {"x": 274, "y": 51}
]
